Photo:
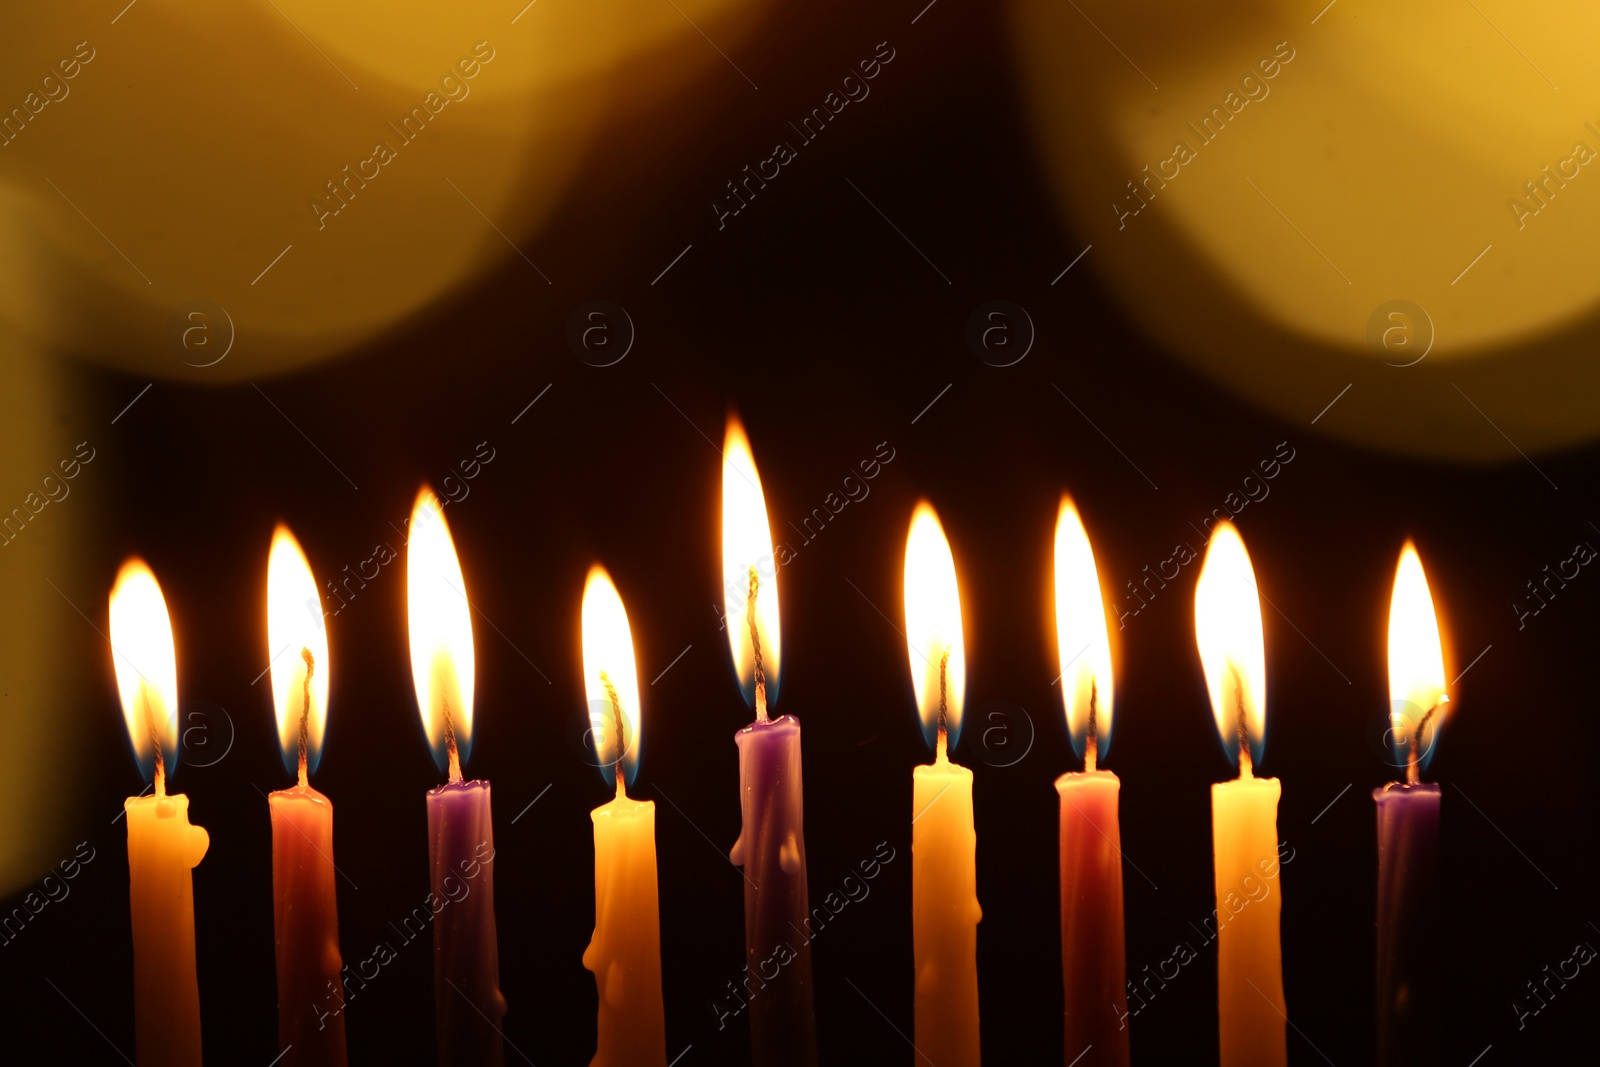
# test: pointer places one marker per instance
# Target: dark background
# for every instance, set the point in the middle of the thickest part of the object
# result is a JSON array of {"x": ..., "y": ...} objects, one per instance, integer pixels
[{"x": 818, "y": 323}]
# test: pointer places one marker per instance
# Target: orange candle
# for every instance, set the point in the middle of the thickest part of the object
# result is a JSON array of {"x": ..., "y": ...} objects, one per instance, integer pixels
[
  {"x": 944, "y": 839},
  {"x": 1251, "y": 1014},
  {"x": 625, "y": 952},
  {"x": 305, "y": 908},
  {"x": 162, "y": 846}
]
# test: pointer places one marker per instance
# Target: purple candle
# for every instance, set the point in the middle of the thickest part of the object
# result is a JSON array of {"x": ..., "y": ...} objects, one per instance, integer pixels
[
  {"x": 1408, "y": 898},
  {"x": 772, "y": 850},
  {"x": 1408, "y": 826},
  {"x": 467, "y": 1002},
  {"x": 468, "y": 1005},
  {"x": 771, "y": 846}
]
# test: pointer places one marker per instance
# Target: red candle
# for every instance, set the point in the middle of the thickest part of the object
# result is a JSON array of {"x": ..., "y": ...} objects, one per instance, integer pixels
[
  {"x": 304, "y": 898},
  {"x": 468, "y": 1005},
  {"x": 1093, "y": 954}
]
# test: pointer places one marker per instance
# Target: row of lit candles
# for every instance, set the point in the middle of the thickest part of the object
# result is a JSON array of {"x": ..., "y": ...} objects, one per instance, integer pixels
[{"x": 163, "y": 846}]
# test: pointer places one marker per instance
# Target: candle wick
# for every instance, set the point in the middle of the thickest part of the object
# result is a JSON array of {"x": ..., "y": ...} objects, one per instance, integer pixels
[
  {"x": 755, "y": 647},
  {"x": 155, "y": 740},
  {"x": 1246, "y": 766},
  {"x": 305, "y": 713},
  {"x": 1091, "y": 747},
  {"x": 1414, "y": 763},
  {"x": 944, "y": 704},
  {"x": 450, "y": 743},
  {"x": 620, "y": 742}
]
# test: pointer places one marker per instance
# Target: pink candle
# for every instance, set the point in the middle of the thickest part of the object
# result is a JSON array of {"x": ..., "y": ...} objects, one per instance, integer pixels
[
  {"x": 304, "y": 895},
  {"x": 1093, "y": 954},
  {"x": 468, "y": 1005}
]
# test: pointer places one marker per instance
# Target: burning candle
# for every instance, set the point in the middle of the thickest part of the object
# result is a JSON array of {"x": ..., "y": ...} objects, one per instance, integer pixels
[
  {"x": 305, "y": 907},
  {"x": 1408, "y": 824},
  {"x": 944, "y": 841},
  {"x": 1093, "y": 953},
  {"x": 625, "y": 952},
  {"x": 162, "y": 846},
  {"x": 772, "y": 844},
  {"x": 467, "y": 1002},
  {"x": 1251, "y": 1015}
]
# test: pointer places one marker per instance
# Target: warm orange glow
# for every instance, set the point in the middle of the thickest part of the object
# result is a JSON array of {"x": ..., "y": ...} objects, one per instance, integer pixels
[
  {"x": 295, "y": 630},
  {"x": 440, "y": 620},
  {"x": 1227, "y": 627},
  {"x": 746, "y": 546},
  {"x": 610, "y": 677},
  {"x": 1416, "y": 662},
  {"x": 147, "y": 668},
  {"x": 1083, "y": 643},
  {"x": 934, "y": 641}
]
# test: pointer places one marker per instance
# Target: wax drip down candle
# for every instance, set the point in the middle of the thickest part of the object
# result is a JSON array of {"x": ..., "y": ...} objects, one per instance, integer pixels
[
  {"x": 305, "y": 908},
  {"x": 1408, "y": 826},
  {"x": 162, "y": 846},
  {"x": 944, "y": 839},
  {"x": 625, "y": 951},
  {"x": 468, "y": 1005},
  {"x": 1251, "y": 1014},
  {"x": 1093, "y": 949},
  {"x": 772, "y": 846}
]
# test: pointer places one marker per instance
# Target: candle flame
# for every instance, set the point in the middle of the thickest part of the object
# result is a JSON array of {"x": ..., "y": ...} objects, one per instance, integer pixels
[
  {"x": 934, "y": 642},
  {"x": 1227, "y": 626},
  {"x": 440, "y": 622},
  {"x": 749, "y": 570},
  {"x": 610, "y": 677},
  {"x": 297, "y": 641},
  {"x": 1082, "y": 638},
  {"x": 146, "y": 666},
  {"x": 1417, "y": 698}
]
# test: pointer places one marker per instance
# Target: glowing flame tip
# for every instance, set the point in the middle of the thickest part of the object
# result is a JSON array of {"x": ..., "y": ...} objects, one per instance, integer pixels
[{"x": 935, "y": 646}]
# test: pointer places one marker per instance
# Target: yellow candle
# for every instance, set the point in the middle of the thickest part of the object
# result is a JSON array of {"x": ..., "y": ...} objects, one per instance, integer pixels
[
  {"x": 944, "y": 841},
  {"x": 625, "y": 952},
  {"x": 162, "y": 846},
  {"x": 1251, "y": 1014}
]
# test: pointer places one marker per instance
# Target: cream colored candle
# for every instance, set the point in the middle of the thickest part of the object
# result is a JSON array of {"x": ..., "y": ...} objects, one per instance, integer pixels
[
  {"x": 625, "y": 951},
  {"x": 944, "y": 840},
  {"x": 162, "y": 846},
  {"x": 1251, "y": 1014}
]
